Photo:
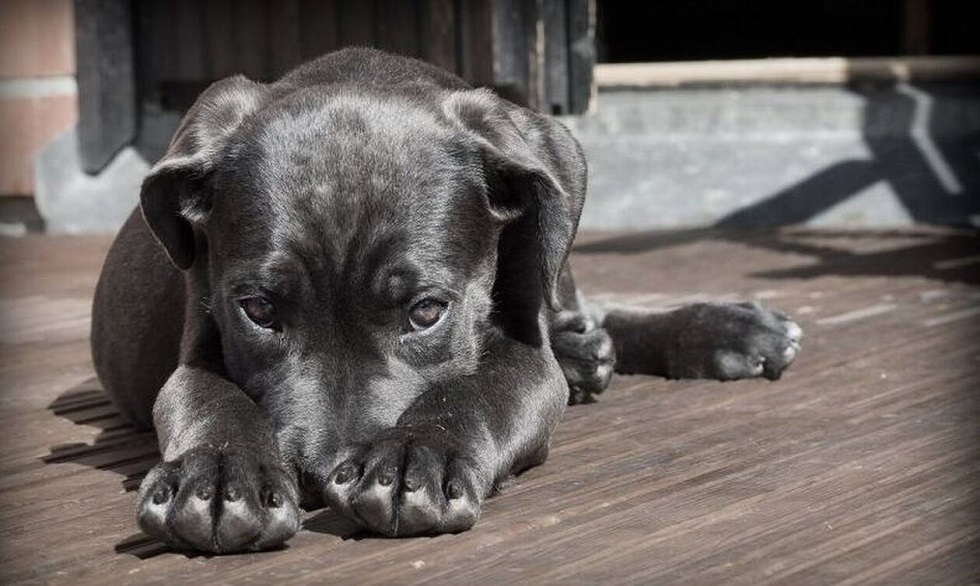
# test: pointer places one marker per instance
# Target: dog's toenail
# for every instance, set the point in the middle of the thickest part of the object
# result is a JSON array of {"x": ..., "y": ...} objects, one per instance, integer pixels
[
  {"x": 205, "y": 492},
  {"x": 411, "y": 484},
  {"x": 454, "y": 490},
  {"x": 231, "y": 494},
  {"x": 274, "y": 499},
  {"x": 162, "y": 495},
  {"x": 344, "y": 474},
  {"x": 387, "y": 477}
]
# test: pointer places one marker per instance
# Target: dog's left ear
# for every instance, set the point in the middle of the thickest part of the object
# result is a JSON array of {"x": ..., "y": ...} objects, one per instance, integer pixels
[{"x": 535, "y": 173}]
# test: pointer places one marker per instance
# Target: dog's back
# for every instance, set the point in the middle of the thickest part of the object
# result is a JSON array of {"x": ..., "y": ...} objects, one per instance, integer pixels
[{"x": 361, "y": 65}]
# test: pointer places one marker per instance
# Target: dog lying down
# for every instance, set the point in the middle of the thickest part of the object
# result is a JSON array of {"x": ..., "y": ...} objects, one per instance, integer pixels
[{"x": 349, "y": 287}]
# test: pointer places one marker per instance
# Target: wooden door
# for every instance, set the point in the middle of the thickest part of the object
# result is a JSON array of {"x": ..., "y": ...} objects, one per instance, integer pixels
[{"x": 539, "y": 53}]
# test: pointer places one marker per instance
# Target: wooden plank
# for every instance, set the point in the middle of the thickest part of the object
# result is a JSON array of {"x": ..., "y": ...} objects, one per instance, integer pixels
[
  {"x": 151, "y": 47},
  {"x": 186, "y": 40},
  {"x": 438, "y": 34},
  {"x": 357, "y": 23},
  {"x": 107, "y": 106},
  {"x": 555, "y": 18},
  {"x": 859, "y": 466},
  {"x": 221, "y": 57},
  {"x": 477, "y": 55},
  {"x": 582, "y": 54},
  {"x": 397, "y": 26},
  {"x": 518, "y": 51},
  {"x": 319, "y": 27},
  {"x": 284, "y": 37},
  {"x": 251, "y": 29}
]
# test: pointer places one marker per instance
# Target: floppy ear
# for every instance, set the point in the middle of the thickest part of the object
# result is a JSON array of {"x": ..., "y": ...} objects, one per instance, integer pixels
[
  {"x": 535, "y": 171},
  {"x": 175, "y": 196}
]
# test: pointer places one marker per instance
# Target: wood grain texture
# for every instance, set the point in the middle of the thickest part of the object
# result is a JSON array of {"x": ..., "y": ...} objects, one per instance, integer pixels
[
  {"x": 860, "y": 466},
  {"x": 319, "y": 27},
  {"x": 438, "y": 34},
  {"x": 535, "y": 53}
]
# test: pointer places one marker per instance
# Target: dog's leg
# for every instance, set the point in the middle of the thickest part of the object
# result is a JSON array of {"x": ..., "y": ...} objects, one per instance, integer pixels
[
  {"x": 722, "y": 341},
  {"x": 137, "y": 321},
  {"x": 582, "y": 347},
  {"x": 222, "y": 486},
  {"x": 451, "y": 448}
]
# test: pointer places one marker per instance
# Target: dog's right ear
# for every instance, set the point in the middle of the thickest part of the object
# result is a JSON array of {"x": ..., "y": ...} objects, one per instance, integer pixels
[{"x": 175, "y": 195}]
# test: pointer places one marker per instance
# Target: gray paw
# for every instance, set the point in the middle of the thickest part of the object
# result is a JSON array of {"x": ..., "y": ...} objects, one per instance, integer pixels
[
  {"x": 219, "y": 501},
  {"x": 585, "y": 354},
  {"x": 407, "y": 483},
  {"x": 728, "y": 341}
]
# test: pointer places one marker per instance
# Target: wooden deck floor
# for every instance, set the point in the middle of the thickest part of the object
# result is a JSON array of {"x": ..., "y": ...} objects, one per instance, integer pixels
[{"x": 861, "y": 466}]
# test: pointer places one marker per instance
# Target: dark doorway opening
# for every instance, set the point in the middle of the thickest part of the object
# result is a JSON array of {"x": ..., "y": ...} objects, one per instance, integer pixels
[{"x": 632, "y": 31}]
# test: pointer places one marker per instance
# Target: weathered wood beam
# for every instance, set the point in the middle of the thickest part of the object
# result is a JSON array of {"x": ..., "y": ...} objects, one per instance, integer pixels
[{"x": 107, "y": 107}]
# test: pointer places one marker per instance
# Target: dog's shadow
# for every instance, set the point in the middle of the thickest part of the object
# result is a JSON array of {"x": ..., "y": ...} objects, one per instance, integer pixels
[
  {"x": 131, "y": 452},
  {"x": 118, "y": 447}
]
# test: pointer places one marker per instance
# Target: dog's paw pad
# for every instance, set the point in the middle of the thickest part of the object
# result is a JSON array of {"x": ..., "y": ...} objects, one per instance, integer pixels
[
  {"x": 213, "y": 500},
  {"x": 430, "y": 490},
  {"x": 729, "y": 341},
  {"x": 585, "y": 354}
]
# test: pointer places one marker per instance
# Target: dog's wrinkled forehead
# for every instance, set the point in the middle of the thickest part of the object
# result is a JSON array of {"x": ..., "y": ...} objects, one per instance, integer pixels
[{"x": 337, "y": 177}]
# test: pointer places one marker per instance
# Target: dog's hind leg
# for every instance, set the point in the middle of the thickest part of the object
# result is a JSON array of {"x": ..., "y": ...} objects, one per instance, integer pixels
[
  {"x": 137, "y": 321},
  {"x": 721, "y": 341}
]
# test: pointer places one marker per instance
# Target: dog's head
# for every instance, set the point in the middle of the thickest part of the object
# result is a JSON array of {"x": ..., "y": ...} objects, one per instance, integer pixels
[{"x": 358, "y": 245}]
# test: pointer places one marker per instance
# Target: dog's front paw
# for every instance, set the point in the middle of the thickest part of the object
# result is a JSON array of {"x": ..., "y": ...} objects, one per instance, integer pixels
[
  {"x": 728, "y": 341},
  {"x": 219, "y": 501},
  {"x": 585, "y": 354},
  {"x": 408, "y": 482}
]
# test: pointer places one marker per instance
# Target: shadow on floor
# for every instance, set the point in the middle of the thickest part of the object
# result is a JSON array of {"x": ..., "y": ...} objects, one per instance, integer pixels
[
  {"x": 119, "y": 447},
  {"x": 122, "y": 448},
  {"x": 922, "y": 143},
  {"x": 943, "y": 256},
  {"x": 330, "y": 522}
]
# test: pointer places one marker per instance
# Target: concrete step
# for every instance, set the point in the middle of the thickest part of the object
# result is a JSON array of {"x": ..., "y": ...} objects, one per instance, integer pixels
[
  {"x": 749, "y": 156},
  {"x": 834, "y": 155}
]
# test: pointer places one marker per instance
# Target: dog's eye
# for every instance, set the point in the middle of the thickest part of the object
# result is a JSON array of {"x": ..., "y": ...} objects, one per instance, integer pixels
[
  {"x": 260, "y": 310},
  {"x": 426, "y": 313}
]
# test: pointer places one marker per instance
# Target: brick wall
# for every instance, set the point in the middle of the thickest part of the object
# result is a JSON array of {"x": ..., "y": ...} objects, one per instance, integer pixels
[{"x": 37, "y": 84}]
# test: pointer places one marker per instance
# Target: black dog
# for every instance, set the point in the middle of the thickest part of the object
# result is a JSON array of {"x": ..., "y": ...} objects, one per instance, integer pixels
[{"x": 350, "y": 286}]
